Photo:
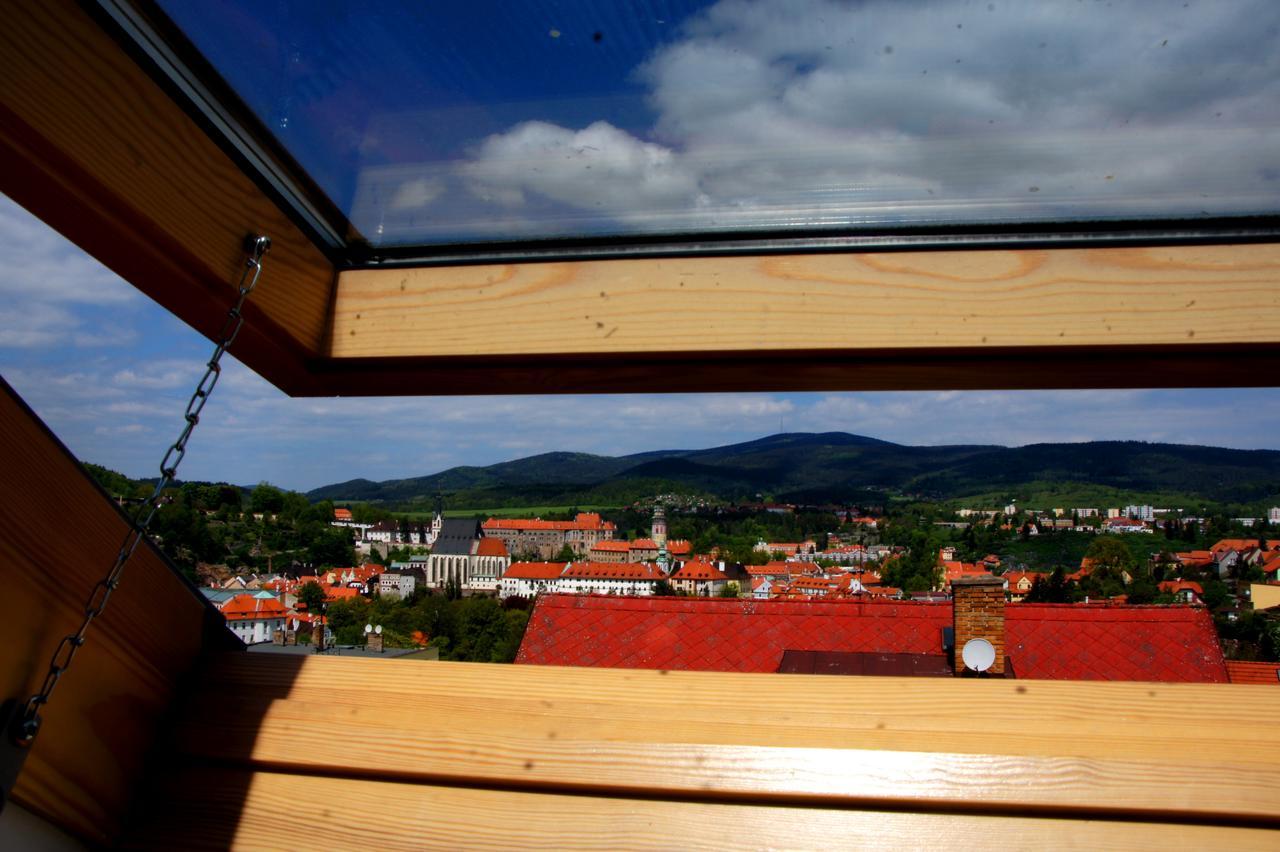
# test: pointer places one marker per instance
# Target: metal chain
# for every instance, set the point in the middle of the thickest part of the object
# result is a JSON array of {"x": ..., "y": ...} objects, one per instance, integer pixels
[{"x": 29, "y": 725}]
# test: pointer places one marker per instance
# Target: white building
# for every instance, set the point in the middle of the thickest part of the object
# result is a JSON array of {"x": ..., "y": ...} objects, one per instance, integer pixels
[
  {"x": 254, "y": 618},
  {"x": 610, "y": 578},
  {"x": 529, "y": 579},
  {"x": 400, "y": 580},
  {"x": 579, "y": 578},
  {"x": 1142, "y": 513}
]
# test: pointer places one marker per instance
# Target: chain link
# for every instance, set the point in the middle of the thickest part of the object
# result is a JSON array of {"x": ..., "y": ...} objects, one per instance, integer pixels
[{"x": 29, "y": 725}]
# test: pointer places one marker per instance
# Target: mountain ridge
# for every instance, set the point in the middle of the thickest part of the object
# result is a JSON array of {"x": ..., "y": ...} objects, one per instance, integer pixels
[{"x": 827, "y": 465}]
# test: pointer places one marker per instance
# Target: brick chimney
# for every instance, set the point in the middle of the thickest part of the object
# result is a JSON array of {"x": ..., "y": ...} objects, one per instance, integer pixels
[{"x": 978, "y": 606}]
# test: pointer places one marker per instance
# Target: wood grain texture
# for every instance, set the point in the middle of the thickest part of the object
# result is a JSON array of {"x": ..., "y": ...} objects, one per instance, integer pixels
[
  {"x": 1112, "y": 297},
  {"x": 104, "y": 713},
  {"x": 1087, "y": 747},
  {"x": 213, "y": 809},
  {"x": 97, "y": 149}
]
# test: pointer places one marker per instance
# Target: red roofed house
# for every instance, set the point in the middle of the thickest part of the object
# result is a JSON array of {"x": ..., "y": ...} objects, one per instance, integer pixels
[
  {"x": 610, "y": 578},
  {"x": 698, "y": 577},
  {"x": 528, "y": 579},
  {"x": 1038, "y": 641},
  {"x": 1017, "y": 584},
  {"x": 254, "y": 619},
  {"x": 1270, "y": 566},
  {"x": 1184, "y": 590},
  {"x": 954, "y": 570}
]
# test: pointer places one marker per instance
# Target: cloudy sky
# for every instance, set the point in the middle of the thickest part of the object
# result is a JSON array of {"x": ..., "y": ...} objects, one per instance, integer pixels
[
  {"x": 485, "y": 119},
  {"x": 111, "y": 372}
]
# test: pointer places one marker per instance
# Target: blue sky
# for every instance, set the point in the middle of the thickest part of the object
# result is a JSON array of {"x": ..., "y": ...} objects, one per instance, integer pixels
[{"x": 111, "y": 372}]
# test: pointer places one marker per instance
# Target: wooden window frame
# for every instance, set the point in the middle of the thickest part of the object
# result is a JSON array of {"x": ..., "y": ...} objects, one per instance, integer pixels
[{"x": 99, "y": 149}]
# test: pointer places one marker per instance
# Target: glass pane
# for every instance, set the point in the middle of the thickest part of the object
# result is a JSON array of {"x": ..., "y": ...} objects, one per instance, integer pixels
[{"x": 459, "y": 122}]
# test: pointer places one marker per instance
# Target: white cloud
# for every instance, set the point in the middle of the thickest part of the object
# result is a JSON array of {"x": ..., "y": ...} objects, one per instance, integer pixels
[
  {"x": 598, "y": 167},
  {"x": 52, "y": 292},
  {"x": 822, "y": 112}
]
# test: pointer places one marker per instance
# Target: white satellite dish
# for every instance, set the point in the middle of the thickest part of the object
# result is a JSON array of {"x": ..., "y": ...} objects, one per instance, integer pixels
[
  {"x": 978, "y": 654},
  {"x": 368, "y": 628},
  {"x": 378, "y": 630}
]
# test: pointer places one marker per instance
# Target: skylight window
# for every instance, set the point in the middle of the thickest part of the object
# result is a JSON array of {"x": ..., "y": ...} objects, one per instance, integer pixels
[{"x": 473, "y": 122}]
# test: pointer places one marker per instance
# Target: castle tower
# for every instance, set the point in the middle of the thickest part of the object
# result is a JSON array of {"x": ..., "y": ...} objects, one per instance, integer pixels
[
  {"x": 659, "y": 535},
  {"x": 659, "y": 532}
]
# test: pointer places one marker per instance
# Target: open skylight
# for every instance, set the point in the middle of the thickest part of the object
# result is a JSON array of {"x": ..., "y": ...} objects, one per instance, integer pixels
[{"x": 437, "y": 123}]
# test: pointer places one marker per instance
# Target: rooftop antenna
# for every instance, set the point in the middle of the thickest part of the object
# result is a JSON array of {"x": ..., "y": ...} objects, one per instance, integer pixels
[{"x": 978, "y": 655}]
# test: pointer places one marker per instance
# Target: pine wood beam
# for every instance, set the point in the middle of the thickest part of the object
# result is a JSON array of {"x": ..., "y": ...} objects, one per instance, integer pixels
[{"x": 1116, "y": 317}]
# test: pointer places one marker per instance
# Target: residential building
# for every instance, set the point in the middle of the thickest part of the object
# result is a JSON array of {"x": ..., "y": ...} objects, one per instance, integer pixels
[
  {"x": 1122, "y": 524},
  {"x": 1018, "y": 584},
  {"x": 529, "y": 579},
  {"x": 1273, "y": 515},
  {"x": 609, "y": 578},
  {"x": 1141, "y": 513},
  {"x": 254, "y": 618},
  {"x": 400, "y": 580},
  {"x": 1185, "y": 591},
  {"x": 698, "y": 577}
]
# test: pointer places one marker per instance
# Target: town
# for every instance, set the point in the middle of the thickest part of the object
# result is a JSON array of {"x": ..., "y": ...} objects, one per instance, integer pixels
[{"x": 488, "y": 588}]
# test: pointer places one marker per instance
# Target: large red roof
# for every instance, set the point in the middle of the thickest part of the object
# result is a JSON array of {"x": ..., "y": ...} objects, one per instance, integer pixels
[
  {"x": 1045, "y": 641},
  {"x": 582, "y": 521},
  {"x": 613, "y": 571},
  {"x": 1107, "y": 642},
  {"x": 534, "y": 570},
  {"x": 491, "y": 547},
  {"x": 719, "y": 634}
]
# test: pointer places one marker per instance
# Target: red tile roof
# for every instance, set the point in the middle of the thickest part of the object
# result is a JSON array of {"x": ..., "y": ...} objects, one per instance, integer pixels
[
  {"x": 342, "y": 514},
  {"x": 675, "y": 546},
  {"x": 1240, "y": 671},
  {"x": 698, "y": 570},
  {"x": 1175, "y": 586},
  {"x": 612, "y": 546},
  {"x": 720, "y": 634},
  {"x": 491, "y": 547},
  {"x": 534, "y": 570},
  {"x": 614, "y": 571},
  {"x": 1045, "y": 641},
  {"x": 773, "y": 569},
  {"x": 1107, "y": 642},
  {"x": 249, "y": 608},
  {"x": 582, "y": 521}
]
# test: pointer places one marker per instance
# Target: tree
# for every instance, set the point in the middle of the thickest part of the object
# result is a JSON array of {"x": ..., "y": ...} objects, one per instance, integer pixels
[
  {"x": 312, "y": 595},
  {"x": 266, "y": 498},
  {"x": 565, "y": 554},
  {"x": 730, "y": 590},
  {"x": 331, "y": 546},
  {"x": 663, "y": 589}
]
